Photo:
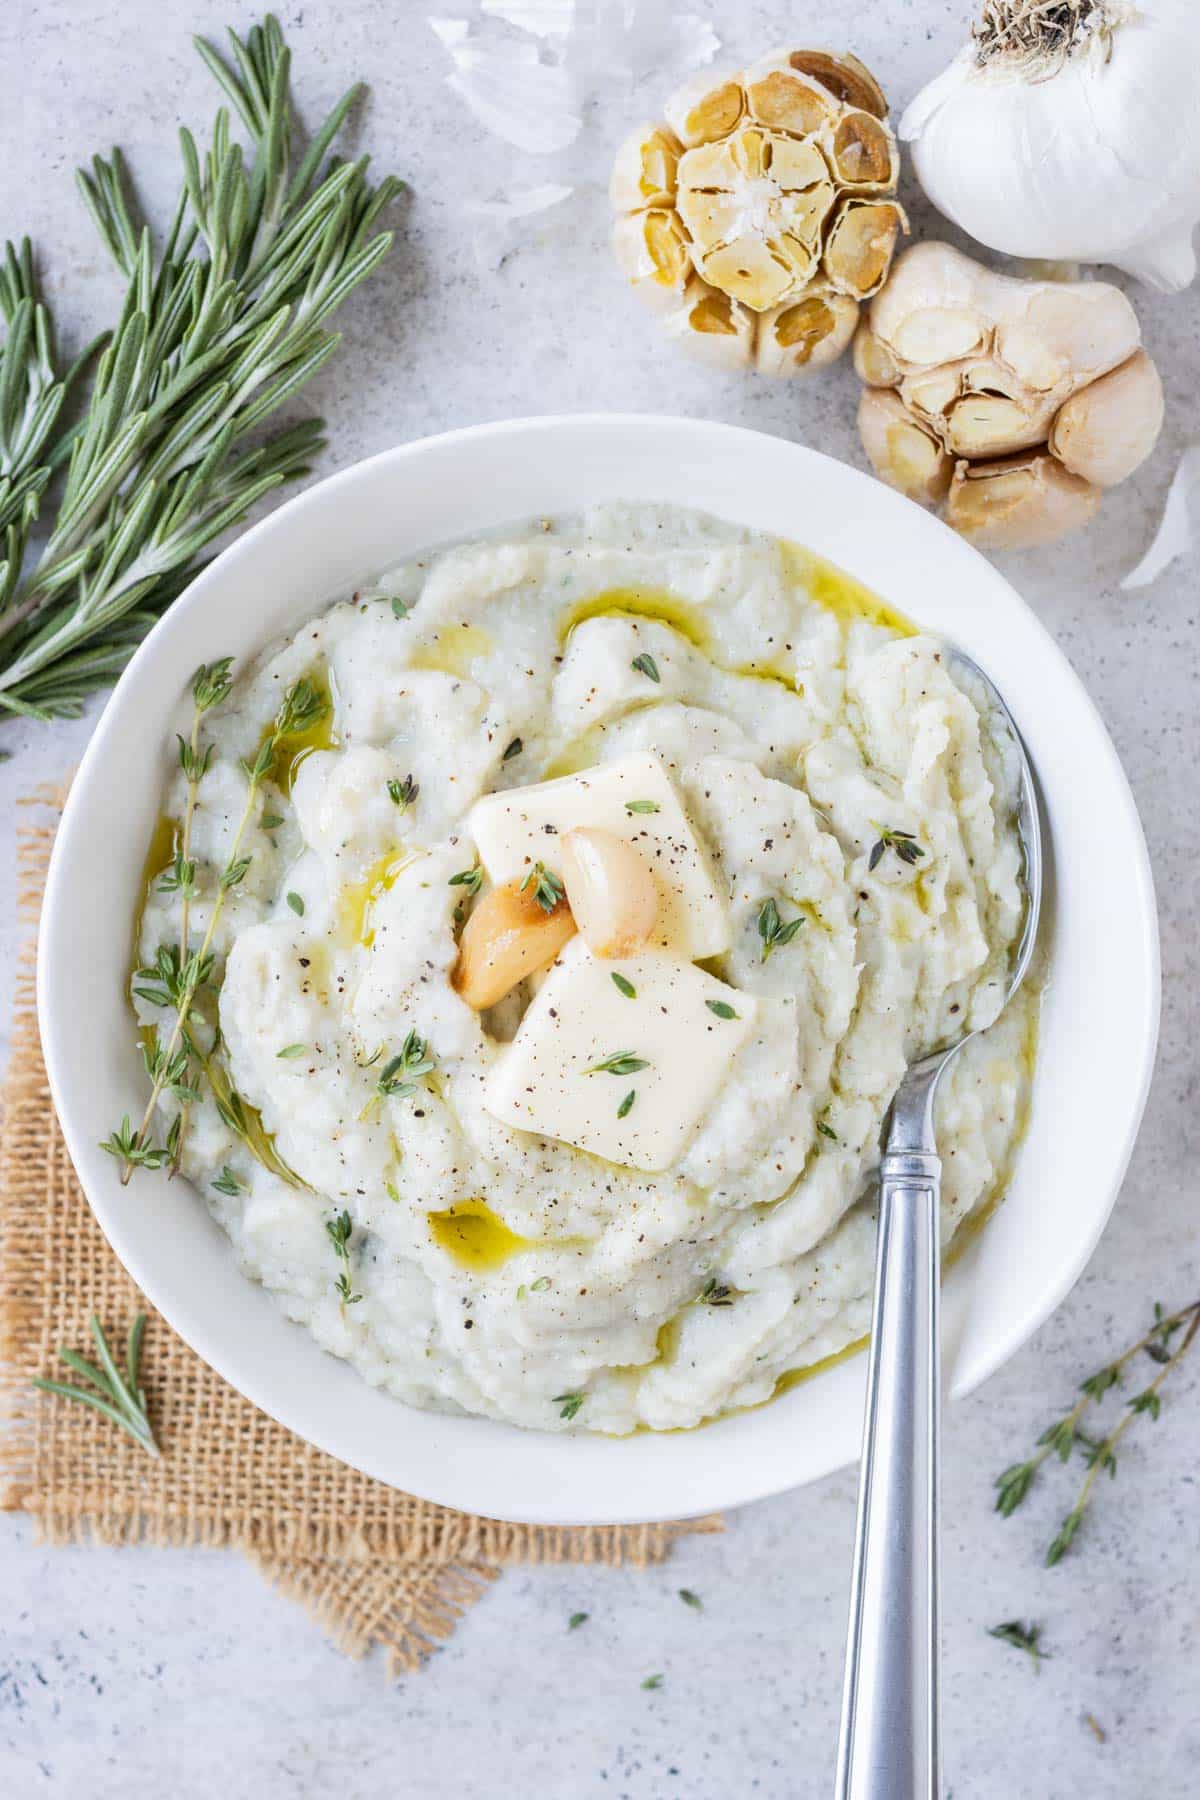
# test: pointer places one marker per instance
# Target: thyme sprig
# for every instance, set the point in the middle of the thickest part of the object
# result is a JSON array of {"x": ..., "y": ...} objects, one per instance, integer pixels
[
  {"x": 221, "y": 324},
  {"x": 180, "y": 972},
  {"x": 117, "y": 1394},
  {"x": 621, "y": 1062},
  {"x": 1066, "y": 1435},
  {"x": 773, "y": 932},
  {"x": 902, "y": 842},
  {"x": 547, "y": 888},
  {"x": 339, "y": 1230},
  {"x": 1022, "y": 1637}
]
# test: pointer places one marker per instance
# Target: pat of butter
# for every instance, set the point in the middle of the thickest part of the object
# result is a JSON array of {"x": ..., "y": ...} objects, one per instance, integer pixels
[
  {"x": 633, "y": 798},
  {"x": 549, "y": 1079}
]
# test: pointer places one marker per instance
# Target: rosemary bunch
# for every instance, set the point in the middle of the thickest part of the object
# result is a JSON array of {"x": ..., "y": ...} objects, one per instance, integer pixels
[
  {"x": 1165, "y": 1344},
  {"x": 220, "y": 326}
]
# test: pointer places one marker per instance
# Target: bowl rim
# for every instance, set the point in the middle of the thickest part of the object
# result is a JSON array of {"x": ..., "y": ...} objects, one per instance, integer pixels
[{"x": 730, "y": 1481}]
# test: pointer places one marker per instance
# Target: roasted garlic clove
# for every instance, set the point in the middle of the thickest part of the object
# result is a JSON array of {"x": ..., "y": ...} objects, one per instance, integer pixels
[
  {"x": 645, "y": 169},
  {"x": 992, "y": 424},
  {"x": 847, "y": 79},
  {"x": 805, "y": 334},
  {"x": 1103, "y": 432},
  {"x": 874, "y": 363},
  {"x": 611, "y": 891},
  {"x": 705, "y": 108},
  {"x": 904, "y": 452},
  {"x": 1018, "y": 502},
  {"x": 858, "y": 250},
  {"x": 651, "y": 248},
  {"x": 712, "y": 326},
  {"x": 863, "y": 152},
  {"x": 508, "y": 936}
]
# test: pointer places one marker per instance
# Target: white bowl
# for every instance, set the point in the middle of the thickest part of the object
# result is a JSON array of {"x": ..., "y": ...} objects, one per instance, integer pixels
[{"x": 1100, "y": 1017}]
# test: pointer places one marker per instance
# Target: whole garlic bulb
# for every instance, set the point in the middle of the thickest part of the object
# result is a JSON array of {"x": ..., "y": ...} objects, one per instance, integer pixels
[
  {"x": 760, "y": 213},
  {"x": 1071, "y": 132},
  {"x": 1016, "y": 403}
]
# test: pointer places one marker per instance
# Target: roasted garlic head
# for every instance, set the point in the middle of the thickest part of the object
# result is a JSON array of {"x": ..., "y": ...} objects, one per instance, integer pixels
[
  {"x": 759, "y": 214},
  {"x": 1013, "y": 402}
]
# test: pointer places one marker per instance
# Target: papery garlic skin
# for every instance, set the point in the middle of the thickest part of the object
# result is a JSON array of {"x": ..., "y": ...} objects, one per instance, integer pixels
[
  {"x": 1088, "y": 156},
  {"x": 1016, "y": 402},
  {"x": 776, "y": 184}
]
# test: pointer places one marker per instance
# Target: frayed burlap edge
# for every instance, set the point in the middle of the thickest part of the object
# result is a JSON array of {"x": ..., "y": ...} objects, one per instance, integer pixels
[{"x": 373, "y": 1566}]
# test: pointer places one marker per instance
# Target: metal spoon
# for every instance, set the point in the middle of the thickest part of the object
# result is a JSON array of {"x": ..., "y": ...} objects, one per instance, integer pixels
[{"x": 889, "y": 1738}]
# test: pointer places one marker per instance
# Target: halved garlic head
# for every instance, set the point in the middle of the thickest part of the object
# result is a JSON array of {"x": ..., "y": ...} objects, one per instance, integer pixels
[
  {"x": 612, "y": 893},
  {"x": 773, "y": 184},
  {"x": 508, "y": 936},
  {"x": 1015, "y": 401}
]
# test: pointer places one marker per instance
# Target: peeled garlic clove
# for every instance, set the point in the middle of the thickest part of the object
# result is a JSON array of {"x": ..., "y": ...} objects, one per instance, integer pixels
[
  {"x": 705, "y": 108},
  {"x": 651, "y": 249},
  {"x": 863, "y": 152},
  {"x": 712, "y": 326},
  {"x": 859, "y": 247},
  {"x": 645, "y": 169},
  {"x": 1018, "y": 502},
  {"x": 611, "y": 891},
  {"x": 1103, "y": 432},
  {"x": 507, "y": 937},
  {"x": 902, "y": 451},
  {"x": 844, "y": 77},
  {"x": 873, "y": 361},
  {"x": 805, "y": 334}
]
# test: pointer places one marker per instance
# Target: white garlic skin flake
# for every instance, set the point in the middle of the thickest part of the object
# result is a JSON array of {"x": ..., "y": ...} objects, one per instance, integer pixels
[
  {"x": 760, "y": 213},
  {"x": 1014, "y": 402}
]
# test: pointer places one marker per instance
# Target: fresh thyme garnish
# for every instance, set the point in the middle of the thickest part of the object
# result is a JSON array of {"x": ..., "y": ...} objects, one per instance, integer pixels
[
  {"x": 715, "y": 1293},
  {"x": 471, "y": 879},
  {"x": 642, "y": 806},
  {"x": 229, "y": 1183},
  {"x": 691, "y": 1599},
  {"x": 626, "y": 1106},
  {"x": 624, "y": 986},
  {"x": 652, "y": 1681},
  {"x": 119, "y": 1396},
  {"x": 401, "y": 1072},
  {"x": 105, "y": 518},
  {"x": 180, "y": 974},
  {"x": 1099, "y": 1453},
  {"x": 547, "y": 888},
  {"x": 772, "y": 931},
  {"x": 295, "y": 902},
  {"x": 576, "y": 1620},
  {"x": 540, "y": 1285},
  {"x": 825, "y": 1128},
  {"x": 569, "y": 1404},
  {"x": 400, "y": 607},
  {"x": 722, "y": 1009},
  {"x": 646, "y": 665},
  {"x": 621, "y": 1062},
  {"x": 1022, "y": 1637},
  {"x": 902, "y": 842},
  {"x": 339, "y": 1229},
  {"x": 271, "y": 821},
  {"x": 403, "y": 793},
  {"x": 290, "y": 1051},
  {"x": 513, "y": 749}
]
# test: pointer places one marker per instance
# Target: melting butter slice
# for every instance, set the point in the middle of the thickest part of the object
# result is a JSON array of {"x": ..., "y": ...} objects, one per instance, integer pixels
[
  {"x": 550, "y": 1079},
  {"x": 632, "y": 797}
]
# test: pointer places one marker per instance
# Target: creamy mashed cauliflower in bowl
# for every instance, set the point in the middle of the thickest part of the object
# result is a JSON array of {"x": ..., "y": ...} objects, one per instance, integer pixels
[{"x": 592, "y": 824}]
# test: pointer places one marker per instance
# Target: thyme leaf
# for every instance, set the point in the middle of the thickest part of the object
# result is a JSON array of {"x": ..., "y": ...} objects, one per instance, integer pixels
[
  {"x": 621, "y": 1062},
  {"x": 569, "y": 1404},
  {"x": 624, "y": 986},
  {"x": 548, "y": 890},
  {"x": 403, "y": 793},
  {"x": 646, "y": 665},
  {"x": 902, "y": 842},
  {"x": 1021, "y": 1637},
  {"x": 772, "y": 931}
]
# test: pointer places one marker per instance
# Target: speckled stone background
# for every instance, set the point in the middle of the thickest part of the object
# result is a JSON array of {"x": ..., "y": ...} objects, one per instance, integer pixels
[{"x": 178, "y": 1673}]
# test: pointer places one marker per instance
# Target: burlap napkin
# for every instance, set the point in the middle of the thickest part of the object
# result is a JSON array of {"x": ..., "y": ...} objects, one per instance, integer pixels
[{"x": 374, "y": 1566}]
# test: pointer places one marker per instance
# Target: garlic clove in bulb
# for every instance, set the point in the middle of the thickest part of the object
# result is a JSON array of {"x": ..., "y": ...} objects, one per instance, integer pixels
[
  {"x": 651, "y": 249},
  {"x": 712, "y": 326},
  {"x": 874, "y": 363},
  {"x": 1070, "y": 132},
  {"x": 784, "y": 99},
  {"x": 847, "y": 79},
  {"x": 1019, "y": 501},
  {"x": 805, "y": 334},
  {"x": 645, "y": 169},
  {"x": 863, "y": 153},
  {"x": 860, "y": 245},
  {"x": 902, "y": 451},
  {"x": 1109, "y": 427},
  {"x": 706, "y": 108}
]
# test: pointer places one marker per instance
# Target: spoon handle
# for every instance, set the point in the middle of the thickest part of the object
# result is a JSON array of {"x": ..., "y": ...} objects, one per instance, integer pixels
[{"x": 889, "y": 1738}]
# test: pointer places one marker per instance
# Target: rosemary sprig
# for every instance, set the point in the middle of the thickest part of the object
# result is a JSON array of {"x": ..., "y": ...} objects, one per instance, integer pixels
[
  {"x": 118, "y": 1395},
  {"x": 221, "y": 324},
  {"x": 1022, "y": 1637},
  {"x": 548, "y": 890},
  {"x": 182, "y": 972},
  {"x": 1065, "y": 1435},
  {"x": 772, "y": 931},
  {"x": 339, "y": 1229}
]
